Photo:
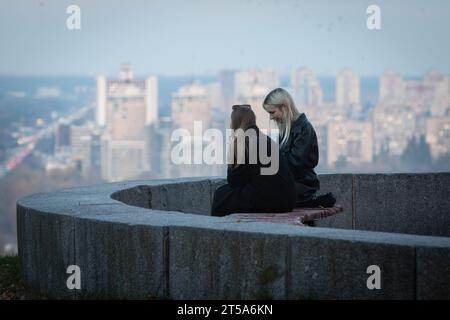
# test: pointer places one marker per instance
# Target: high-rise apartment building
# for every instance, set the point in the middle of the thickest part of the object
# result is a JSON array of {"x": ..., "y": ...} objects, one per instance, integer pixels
[{"x": 125, "y": 107}]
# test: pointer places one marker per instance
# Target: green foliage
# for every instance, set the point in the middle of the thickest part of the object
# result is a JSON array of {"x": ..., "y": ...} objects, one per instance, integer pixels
[{"x": 11, "y": 285}]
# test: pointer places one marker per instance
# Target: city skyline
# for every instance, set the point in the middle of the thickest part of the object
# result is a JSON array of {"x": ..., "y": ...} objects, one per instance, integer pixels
[
  {"x": 345, "y": 131},
  {"x": 405, "y": 109}
]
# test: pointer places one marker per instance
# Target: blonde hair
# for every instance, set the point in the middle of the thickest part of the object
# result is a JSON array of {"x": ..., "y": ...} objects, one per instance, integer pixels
[{"x": 280, "y": 98}]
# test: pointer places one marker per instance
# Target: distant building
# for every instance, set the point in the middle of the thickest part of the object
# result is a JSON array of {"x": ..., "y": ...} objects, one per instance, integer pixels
[
  {"x": 101, "y": 100},
  {"x": 126, "y": 86},
  {"x": 161, "y": 146},
  {"x": 73, "y": 147},
  {"x": 95, "y": 153},
  {"x": 246, "y": 80},
  {"x": 419, "y": 96},
  {"x": 226, "y": 80},
  {"x": 391, "y": 88},
  {"x": 350, "y": 140},
  {"x": 440, "y": 105},
  {"x": 78, "y": 137},
  {"x": 125, "y": 107},
  {"x": 251, "y": 87},
  {"x": 394, "y": 125},
  {"x": 191, "y": 103},
  {"x": 255, "y": 97},
  {"x": 320, "y": 117},
  {"x": 214, "y": 92},
  {"x": 62, "y": 137},
  {"x": 404, "y": 111},
  {"x": 123, "y": 159},
  {"x": 306, "y": 88},
  {"x": 80, "y": 141},
  {"x": 438, "y": 136},
  {"x": 348, "y": 98}
]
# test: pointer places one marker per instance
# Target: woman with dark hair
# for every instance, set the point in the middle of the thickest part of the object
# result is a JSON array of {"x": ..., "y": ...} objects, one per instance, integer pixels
[
  {"x": 249, "y": 189},
  {"x": 298, "y": 143}
]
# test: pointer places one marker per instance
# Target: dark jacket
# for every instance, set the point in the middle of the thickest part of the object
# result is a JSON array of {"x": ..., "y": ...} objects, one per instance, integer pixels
[
  {"x": 302, "y": 154},
  {"x": 248, "y": 190}
]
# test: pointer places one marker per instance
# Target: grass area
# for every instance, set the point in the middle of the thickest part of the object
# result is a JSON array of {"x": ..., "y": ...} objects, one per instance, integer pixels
[
  {"x": 11, "y": 285},
  {"x": 13, "y": 288}
]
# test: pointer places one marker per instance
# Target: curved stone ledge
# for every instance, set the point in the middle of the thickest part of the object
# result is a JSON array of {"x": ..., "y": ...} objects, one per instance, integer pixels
[{"x": 154, "y": 239}]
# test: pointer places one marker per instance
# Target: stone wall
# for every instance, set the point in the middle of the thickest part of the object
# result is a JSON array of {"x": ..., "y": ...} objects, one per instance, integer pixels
[{"x": 155, "y": 239}]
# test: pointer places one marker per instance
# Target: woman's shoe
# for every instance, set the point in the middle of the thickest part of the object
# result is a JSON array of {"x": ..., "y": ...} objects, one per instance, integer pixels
[{"x": 325, "y": 200}]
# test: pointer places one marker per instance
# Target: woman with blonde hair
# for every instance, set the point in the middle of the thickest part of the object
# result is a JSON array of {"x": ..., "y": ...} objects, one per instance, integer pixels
[
  {"x": 298, "y": 144},
  {"x": 248, "y": 189}
]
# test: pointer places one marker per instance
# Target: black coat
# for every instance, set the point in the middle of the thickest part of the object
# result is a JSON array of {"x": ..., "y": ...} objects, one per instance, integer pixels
[
  {"x": 302, "y": 154},
  {"x": 249, "y": 191}
]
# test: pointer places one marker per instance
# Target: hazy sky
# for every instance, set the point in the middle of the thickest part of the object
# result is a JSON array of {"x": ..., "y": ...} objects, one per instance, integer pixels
[{"x": 172, "y": 37}]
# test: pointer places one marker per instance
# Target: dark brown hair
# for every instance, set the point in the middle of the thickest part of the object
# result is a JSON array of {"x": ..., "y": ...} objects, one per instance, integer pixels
[{"x": 242, "y": 117}]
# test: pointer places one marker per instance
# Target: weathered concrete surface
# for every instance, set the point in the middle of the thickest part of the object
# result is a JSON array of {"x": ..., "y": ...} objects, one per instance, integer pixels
[
  {"x": 342, "y": 187},
  {"x": 126, "y": 250},
  {"x": 120, "y": 250},
  {"x": 403, "y": 203},
  {"x": 433, "y": 273},
  {"x": 220, "y": 264},
  {"x": 338, "y": 269},
  {"x": 46, "y": 249},
  {"x": 184, "y": 196},
  {"x": 138, "y": 196}
]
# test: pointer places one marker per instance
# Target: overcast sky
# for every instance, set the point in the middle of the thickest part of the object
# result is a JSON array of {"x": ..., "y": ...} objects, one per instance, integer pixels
[{"x": 172, "y": 37}]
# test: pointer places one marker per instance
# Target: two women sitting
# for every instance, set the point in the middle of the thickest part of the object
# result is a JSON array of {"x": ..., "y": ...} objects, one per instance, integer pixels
[{"x": 295, "y": 184}]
